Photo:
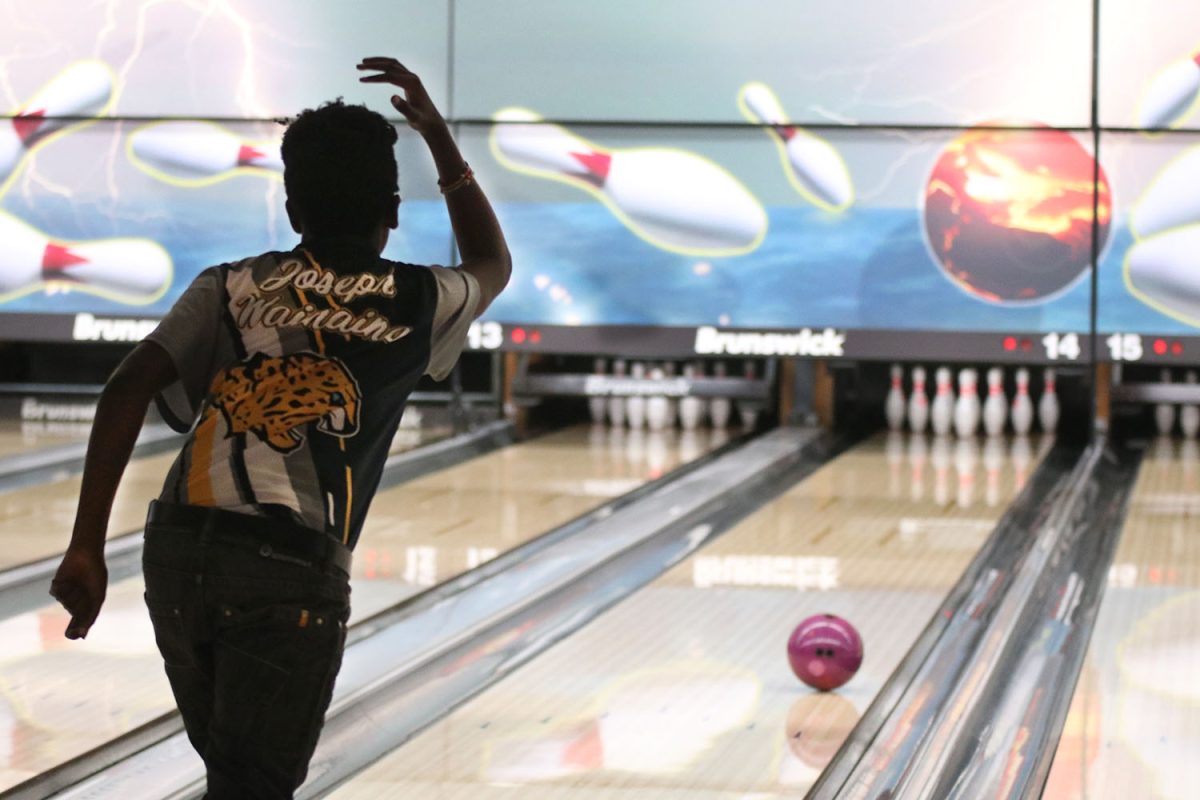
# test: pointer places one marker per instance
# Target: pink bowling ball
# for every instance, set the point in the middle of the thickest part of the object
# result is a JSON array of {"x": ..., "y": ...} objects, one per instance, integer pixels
[{"x": 825, "y": 651}]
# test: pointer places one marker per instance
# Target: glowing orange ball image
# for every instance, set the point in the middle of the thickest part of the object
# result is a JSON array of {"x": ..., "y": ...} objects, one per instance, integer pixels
[{"x": 1008, "y": 212}]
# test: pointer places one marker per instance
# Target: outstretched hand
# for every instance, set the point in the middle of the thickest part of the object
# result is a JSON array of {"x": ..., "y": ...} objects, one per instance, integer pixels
[
  {"x": 416, "y": 106},
  {"x": 80, "y": 584}
]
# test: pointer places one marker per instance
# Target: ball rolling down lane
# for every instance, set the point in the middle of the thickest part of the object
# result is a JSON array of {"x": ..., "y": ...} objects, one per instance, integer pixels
[{"x": 825, "y": 651}]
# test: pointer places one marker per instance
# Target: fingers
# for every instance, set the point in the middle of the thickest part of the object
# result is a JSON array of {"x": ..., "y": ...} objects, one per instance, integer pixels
[
  {"x": 79, "y": 604},
  {"x": 77, "y": 628},
  {"x": 403, "y": 106}
]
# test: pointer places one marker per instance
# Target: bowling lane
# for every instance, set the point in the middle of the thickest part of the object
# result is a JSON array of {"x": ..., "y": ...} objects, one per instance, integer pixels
[
  {"x": 59, "y": 699},
  {"x": 683, "y": 689},
  {"x": 1133, "y": 729},
  {"x": 19, "y": 436},
  {"x": 36, "y": 521}
]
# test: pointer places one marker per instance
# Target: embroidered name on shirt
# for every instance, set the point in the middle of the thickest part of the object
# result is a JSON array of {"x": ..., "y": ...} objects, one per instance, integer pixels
[
  {"x": 315, "y": 279},
  {"x": 257, "y": 311}
]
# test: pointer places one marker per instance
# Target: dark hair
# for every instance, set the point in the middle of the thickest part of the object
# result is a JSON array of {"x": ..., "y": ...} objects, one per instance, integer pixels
[{"x": 339, "y": 168}]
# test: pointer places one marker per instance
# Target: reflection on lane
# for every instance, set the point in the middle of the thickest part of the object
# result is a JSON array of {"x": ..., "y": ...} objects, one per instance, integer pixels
[
  {"x": 1133, "y": 729},
  {"x": 59, "y": 699},
  {"x": 683, "y": 689}
]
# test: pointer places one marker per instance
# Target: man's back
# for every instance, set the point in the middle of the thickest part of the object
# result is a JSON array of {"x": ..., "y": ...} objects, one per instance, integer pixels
[{"x": 297, "y": 366}]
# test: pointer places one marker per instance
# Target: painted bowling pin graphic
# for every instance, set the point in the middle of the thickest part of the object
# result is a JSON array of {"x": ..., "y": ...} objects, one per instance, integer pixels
[
  {"x": 1022, "y": 405},
  {"x": 133, "y": 271},
  {"x": 83, "y": 89},
  {"x": 942, "y": 411},
  {"x": 673, "y": 199},
  {"x": 918, "y": 402},
  {"x": 894, "y": 406},
  {"x": 812, "y": 165},
  {"x": 1171, "y": 95},
  {"x": 1170, "y": 200},
  {"x": 1161, "y": 272},
  {"x": 189, "y": 153}
]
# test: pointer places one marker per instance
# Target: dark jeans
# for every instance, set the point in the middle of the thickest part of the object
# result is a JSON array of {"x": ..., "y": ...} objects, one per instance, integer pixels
[{"x": 252, "y": 644}]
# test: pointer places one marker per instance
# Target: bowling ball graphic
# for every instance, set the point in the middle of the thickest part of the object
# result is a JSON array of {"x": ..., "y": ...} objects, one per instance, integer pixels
[
  {"x": 1008, "y": 212},
  {"x": 817, "y": 724},
  {"x": 825, "y": 651}
]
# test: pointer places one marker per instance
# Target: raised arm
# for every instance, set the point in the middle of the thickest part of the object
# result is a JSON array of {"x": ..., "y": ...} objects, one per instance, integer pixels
[{"x": 476, "y": 230}]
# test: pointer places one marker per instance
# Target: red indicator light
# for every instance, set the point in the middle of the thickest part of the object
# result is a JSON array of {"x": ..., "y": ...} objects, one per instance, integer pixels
[
  {"x": 1026, "y": 345},
  {"x": 535, "y": 337},
  {"x": 1010, "y": 343},
  {"x": 518, "y": 335},
  {"x": 1176, "y": 348},
  {"x": 1160, "y": 347}
]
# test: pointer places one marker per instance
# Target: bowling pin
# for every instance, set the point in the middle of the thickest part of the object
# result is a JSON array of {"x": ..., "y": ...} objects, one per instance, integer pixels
[
  {"x": 672, "y": 402},
  {"x": 1048, "y": 403},
  {"x": 966, "y": 458},
  {"x": 1022, "y": 405},
  {"x": 658, "y": 408},
  {"x": 83, "y": 89},
  {"x": 190, "y": 153},
  {"x": 673, "y": 199},
  {"x": 918, "y": 402},
  {"x": 942, "y": 411},
  {"x": 1171, "y": 95},
  {"x": 598, "y": 404},
  {"x": 691, "y": 408},
  {"x": 1170, "y": 201},
  {"x": 918, "y": 450},
  {"x": 124, "y": 270},
  {"x": 748, "y": 410},
  {"x": 893, "y": 407},
  {"x": 815, "y": 169},
  {"x": 966, "y": 409},
  {"x": 1164, "y": 413},
  {"x": 616, "y": 403},
  {"x": 1161, "y": 271},
  {"x": 635, "y": 404},
  {"x": 720, "y": 408},
  {"x": 1189, "y": 414},
  {"x": 995, "y": 408}
]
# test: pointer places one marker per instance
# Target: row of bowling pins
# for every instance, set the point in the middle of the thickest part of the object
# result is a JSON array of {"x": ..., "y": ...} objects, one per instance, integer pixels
[
  {"x": 658, "y": 412},
  {"x": 966, "y": 412},
  {"x": 1165, "y": 414},
  {"x": 964, "y": 456}
]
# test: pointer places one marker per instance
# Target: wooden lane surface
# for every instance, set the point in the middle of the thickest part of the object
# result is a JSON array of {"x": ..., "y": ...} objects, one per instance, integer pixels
[
  {"x": 1133, "y": 729},
  {"x": 59, "y": 699},
  {"x": 36, "y": 521},
  {"x": 17, "y": 436},
  {"x": 683, "y": 689}
]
